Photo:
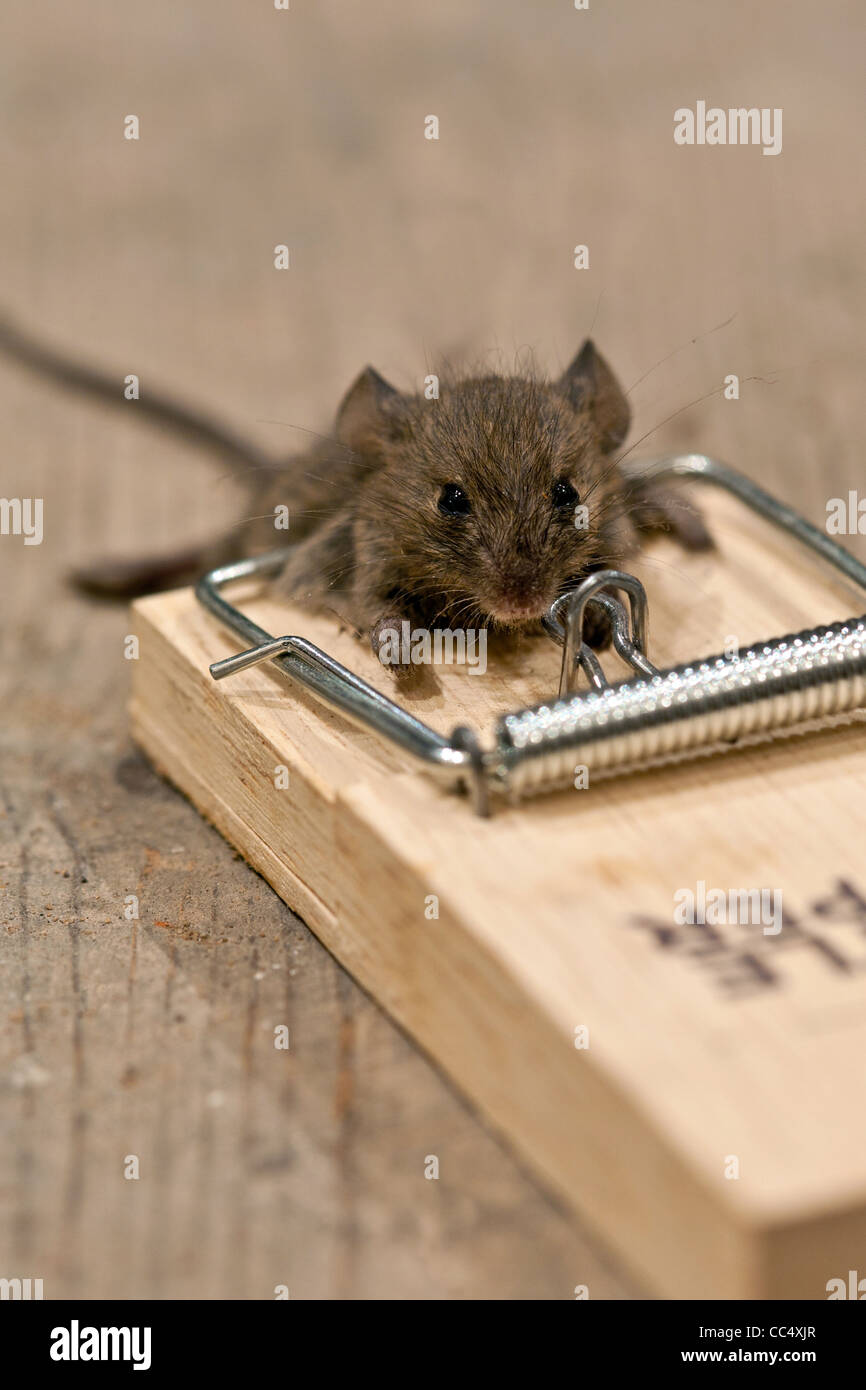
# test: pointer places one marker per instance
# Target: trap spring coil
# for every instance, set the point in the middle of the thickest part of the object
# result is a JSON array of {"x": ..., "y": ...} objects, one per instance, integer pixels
[
  {"x": 708, "y": 706},
  {"x": 699, "y": 708}
]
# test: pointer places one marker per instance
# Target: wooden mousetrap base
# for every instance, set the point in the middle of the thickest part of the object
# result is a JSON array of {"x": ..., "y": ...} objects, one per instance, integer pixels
[{"x": 713, "y": 1130}]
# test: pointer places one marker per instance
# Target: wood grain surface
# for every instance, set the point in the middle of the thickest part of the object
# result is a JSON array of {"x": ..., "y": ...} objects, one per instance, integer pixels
[{"x": 155, "y": 257}]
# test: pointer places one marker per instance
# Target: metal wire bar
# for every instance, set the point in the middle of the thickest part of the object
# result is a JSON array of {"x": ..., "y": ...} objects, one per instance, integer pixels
[{"x": 334, "y": 684}]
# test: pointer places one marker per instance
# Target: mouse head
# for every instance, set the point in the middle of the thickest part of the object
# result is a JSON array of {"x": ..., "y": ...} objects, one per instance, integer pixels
[{"x": 496, "y": 497}]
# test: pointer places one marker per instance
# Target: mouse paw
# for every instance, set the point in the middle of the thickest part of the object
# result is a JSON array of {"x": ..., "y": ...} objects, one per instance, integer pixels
[
  {"x": 655, "y": 507},
  {"x": 597, "y": 628},
  {"x": 387, "y": 647}
]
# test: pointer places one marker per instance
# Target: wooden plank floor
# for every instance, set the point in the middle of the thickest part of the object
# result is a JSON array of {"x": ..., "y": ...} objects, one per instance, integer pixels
[{"x": 151, "y": 1037}]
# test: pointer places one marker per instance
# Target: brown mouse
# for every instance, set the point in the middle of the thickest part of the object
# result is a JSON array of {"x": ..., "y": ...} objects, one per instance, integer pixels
[{"x": 474, "y": 509}]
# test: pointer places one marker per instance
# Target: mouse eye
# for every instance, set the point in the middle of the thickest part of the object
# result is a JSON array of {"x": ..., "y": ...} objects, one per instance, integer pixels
[
  {"x": 453, "y": 501},
  {"x": 564, "y": 495}
]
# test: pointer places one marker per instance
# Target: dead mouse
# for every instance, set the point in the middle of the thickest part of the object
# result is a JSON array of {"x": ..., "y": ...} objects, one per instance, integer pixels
[{"x": 474, "y": 509}]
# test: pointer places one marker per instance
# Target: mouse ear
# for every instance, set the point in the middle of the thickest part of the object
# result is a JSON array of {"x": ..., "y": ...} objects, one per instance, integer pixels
[
  {"x": 590, "y": 385},
  {"x": 369, "y": 411}
]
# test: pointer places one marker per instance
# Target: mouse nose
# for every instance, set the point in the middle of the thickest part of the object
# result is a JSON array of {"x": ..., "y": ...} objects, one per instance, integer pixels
[
  {"x": 516, "y": 611},
  {"x": 518, "y": 595}
]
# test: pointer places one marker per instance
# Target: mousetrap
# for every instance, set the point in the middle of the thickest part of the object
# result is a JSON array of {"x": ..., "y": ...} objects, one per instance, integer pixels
[{"x": 645, "y": 960}]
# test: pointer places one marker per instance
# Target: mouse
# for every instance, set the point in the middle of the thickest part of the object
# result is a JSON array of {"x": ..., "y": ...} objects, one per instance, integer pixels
[{"x": 474, "y": 509}]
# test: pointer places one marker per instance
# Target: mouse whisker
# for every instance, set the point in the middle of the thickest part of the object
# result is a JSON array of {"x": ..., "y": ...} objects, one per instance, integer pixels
[
  {"x": 305, "y": 429},
  {"x": 691, "y": 342}
]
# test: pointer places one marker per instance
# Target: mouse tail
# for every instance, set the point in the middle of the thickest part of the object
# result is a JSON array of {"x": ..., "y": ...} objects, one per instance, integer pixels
[
  {"x": 122, "y": 577},
  {"x": 196, "y": 426}
]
